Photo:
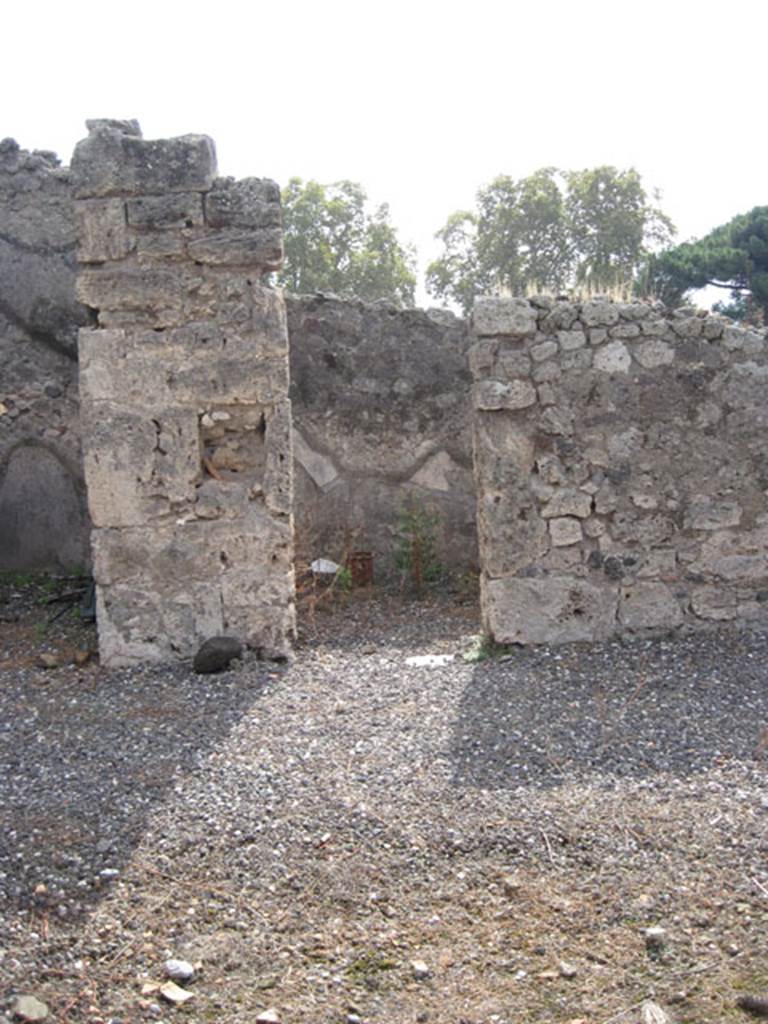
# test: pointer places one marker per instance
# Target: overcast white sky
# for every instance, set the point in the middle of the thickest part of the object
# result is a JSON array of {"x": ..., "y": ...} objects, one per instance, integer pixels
[{"x": 420, "y": 102}]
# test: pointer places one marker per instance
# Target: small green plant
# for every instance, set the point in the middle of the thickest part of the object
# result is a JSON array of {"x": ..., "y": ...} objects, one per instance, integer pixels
[
  {"x": 344, "y": 579},
  {"x": 416, "y": 543},
  {"x": 484, "y": 648}
]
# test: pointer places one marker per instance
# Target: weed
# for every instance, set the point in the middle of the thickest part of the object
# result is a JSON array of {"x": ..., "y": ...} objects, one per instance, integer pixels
[
  {"x": 416, "y": 544},
  {"x": 485, "y": 648},
  {"x": 344, "y": 579}
]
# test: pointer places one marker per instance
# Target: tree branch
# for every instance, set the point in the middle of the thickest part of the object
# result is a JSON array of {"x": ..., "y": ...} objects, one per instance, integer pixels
[{"x": 730, "y": 287}]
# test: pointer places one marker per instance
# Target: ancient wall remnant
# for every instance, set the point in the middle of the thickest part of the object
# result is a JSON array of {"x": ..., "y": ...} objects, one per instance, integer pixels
[
  {"x": 381, "y": 416},
  {"x": 379, "y": 394},
  {"x": 622, "y": 469},
  {"x": 184, "y": 389},
  {"x": 43, "y": 516}
]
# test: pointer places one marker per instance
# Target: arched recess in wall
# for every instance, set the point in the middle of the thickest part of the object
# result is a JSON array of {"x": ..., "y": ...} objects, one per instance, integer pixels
[{"x": 43, "y": 514}]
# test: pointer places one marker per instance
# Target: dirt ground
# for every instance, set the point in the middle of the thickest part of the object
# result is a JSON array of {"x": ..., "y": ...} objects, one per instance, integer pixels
[{"x": 354, "y": 838}]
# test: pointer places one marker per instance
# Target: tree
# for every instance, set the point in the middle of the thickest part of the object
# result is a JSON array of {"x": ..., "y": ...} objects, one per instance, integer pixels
[
  {"x": 333, "y": 245},
  {"x": 549, "y": 231},
  {"x": 612, "y": 224},
  {"x": 733, "y": 256}
]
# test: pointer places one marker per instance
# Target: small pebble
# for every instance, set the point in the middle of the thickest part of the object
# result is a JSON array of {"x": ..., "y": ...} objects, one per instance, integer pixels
[{"x": 179, "y": 970}]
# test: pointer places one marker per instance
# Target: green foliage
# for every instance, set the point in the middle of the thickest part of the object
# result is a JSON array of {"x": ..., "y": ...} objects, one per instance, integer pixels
[
  {"x": 484, "y": 648},
  {"x": 733, "y": 256},
  {"x": 548, "y": 232},
  {"x": 344, "y": 579},
  {"x": 416, "y": 544},
  {"x": 333, "y": 245}
]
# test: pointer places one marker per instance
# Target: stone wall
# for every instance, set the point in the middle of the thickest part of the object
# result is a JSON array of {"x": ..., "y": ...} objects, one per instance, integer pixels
[
  {"x": 379, "y": 400},
  {"x": 381, "y": 418},
  {"x": 621, "y": 459},
  {"x": 43, "y": 516},
  {"x": 184, "y": 390}
]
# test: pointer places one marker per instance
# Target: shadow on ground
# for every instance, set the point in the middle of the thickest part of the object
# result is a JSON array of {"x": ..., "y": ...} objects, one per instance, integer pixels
[
  {"x": 85, "y": 757},
  {"x": 542, "y": 716}
]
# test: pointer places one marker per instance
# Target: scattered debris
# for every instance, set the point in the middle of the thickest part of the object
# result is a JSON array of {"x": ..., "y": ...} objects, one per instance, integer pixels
[
  {"x": 270, "y": 1016},
  {"x": 420, "y": 970},
  {"x": 47, "y": 661},
  {"x": 652, "y": 1013},
  {"x": 655, "y": 940},
  {"x": 567, "y": 970},
  {"x": 173, "y": 993}
]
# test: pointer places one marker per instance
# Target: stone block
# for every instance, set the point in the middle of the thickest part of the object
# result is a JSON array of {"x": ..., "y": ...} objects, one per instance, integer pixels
[
  {"x": 544, "y": 350},
  {"x": 599, "y": 313},
  {"x": 568, "y": 502},
  {"x": 482, "y": 356},
  {"x": 249, "y": 203},
  {"x": 565, "y": 531},
  {"x": 513, "y": 364},
  {"x": 707, "y": 513},
  {"x": 158, "y": 213},
  {"x": 714, "y": 603},
  {"x": 623, "y": 330},
  {"x": 118, "y": 459},
  {"x": 735, "y": 556},
  {"x": 138, "y": 465},
  {"x": 570, "y": 340},
  {"x": 153, "y": 623},
  {"x": 649, "y": 606},
  {"x": 145, "y": 297},
  {"x": 613, "y": 358},
  {"x": 102, "y": 231},
  {"x": 176, "y": 551},
  {"x": 738, "y": 339},
  {"x": 540, "y": 611},
  {"x": 115, "y": 161},
  {"x": 547, "y": 371},
  {"x": 653, "y": 353},
  {"x": 257, "y": 247},
  {"x": 493, "y": 394},
  {"x": 514, "y": 318}
]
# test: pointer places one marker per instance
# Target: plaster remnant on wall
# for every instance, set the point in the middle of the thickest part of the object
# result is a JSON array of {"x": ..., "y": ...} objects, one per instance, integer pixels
[
  {"x": 436, "y": 473},
  {"x": 320, "y": 468},
  {"x": 637, "y": 500},
  {"x": 184, "y": 397}
]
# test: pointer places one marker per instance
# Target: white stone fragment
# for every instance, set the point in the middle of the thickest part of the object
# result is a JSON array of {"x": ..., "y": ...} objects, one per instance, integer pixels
[
  {"x": 429, "y": 660},
  {"x": 324, "y": 567},
  {"x": 173, "y": 993},
  {"x": 420, "y": 970}
]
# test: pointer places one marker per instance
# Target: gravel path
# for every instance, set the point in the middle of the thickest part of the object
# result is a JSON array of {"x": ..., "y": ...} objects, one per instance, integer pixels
[{"x": 354, "y": 838}]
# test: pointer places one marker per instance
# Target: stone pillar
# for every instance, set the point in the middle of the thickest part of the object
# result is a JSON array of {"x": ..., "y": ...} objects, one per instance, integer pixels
[{"x": 183, "y": 383}]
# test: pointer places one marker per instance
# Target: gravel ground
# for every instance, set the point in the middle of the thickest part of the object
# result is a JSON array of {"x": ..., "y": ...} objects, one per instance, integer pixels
[{"x": 353, "y": 839}]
